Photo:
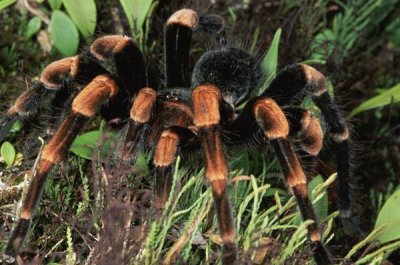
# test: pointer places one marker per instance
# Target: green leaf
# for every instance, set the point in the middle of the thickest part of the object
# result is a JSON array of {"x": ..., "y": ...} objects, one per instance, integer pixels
[
  {"x": 85, "y": 144},
  {"x": 389, "y": 219},
  {"x": 141, "y": 165},
  {"x": 270, "y": 62},
  {"x": 392, "y": 95},
  {"x": 136, "y": 12},
  {"x": 5, "y": 3},
  {"x": 64, "y": 33},
  {"x": 83, "y": 13},
  {"x": 33, "y": 27},
  {"x": 55, "y": 4},
  {"x": 8, "y": 153},
  {"x": 320, "y": 206},
  {"x": 322, "y": 45},
  {"x": 393, "y": 31},
  {"x": 17, "y": 126}
]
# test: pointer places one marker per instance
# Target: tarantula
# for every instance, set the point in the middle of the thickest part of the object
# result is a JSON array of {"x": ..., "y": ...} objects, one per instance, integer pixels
[{"x": 188, "y": 113}]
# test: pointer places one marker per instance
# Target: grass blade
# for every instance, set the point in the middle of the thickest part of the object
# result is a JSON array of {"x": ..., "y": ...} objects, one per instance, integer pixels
[
  {"x": 392, "y": 95},
  {"x": 270, "y": 62}
]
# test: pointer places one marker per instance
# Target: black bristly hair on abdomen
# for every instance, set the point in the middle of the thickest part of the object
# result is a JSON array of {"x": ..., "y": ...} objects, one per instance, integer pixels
[{"x": 235, "y": 72}]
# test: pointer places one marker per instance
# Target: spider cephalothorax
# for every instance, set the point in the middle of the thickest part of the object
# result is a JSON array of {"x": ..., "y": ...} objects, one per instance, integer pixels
[{"x": 192, "y": 112}]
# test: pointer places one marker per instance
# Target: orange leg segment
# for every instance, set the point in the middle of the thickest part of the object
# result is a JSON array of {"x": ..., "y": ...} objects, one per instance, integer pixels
[
  {"x": 206, "y": 100},
  {"x": 276, "y": 128},
  {"x": 84, "y": 106}
]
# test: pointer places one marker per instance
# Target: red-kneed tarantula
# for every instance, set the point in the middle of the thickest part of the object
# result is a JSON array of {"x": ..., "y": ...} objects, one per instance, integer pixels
[{"x": 188, "y": 111}]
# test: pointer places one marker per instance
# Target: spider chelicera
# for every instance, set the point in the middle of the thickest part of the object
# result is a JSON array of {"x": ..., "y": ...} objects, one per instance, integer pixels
[{"x": 188, "y": 113}]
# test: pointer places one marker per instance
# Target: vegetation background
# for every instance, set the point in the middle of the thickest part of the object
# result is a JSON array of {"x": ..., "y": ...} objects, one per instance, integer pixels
[{"x": 95, "y": 213}]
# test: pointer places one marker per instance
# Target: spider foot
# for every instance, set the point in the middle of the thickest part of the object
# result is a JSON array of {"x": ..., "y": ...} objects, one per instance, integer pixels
[
  {"x": 321, "y": 254},
  {"x": 16, "y": 240},
  {"x": 352, "y": 224},
  {"x": 229, "y": 254}
]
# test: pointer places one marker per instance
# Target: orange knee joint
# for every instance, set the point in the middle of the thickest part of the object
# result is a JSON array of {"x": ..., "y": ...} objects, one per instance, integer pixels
[
  {"x": 55, "y": 73},
  {"x": 90, "y": 99},
  {"x": 143, "y": 104},
  {"x": 271, "y": 118},
  {"x": 206, "y": 105},
  {"x": 312, "y": 136},
  {"x": 166, "y": 148}
]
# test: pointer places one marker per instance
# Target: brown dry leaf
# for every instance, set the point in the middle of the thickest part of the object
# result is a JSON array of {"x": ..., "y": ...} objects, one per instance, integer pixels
[
  {"x": 265, "y": 245},
  {"x": 216, "y": 239},
  {"x": 29, "y": 258}
]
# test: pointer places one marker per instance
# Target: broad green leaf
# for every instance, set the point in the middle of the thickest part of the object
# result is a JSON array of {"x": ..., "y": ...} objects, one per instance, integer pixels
[
  {"x": 83, "y": 13},
  {"x": 64, "y": 33},
  {"x": 85, "y": 144},
  {"x": 33, "y": 27},
  {"x": 8, "y": 153},
  {"x": 392, "y": 95},
  {"x": 389, "y": 219},
  {"x": 136, "y": 12},
  {"x": 270, "y": 62},
  {"x": 55, "y": 4},
  {"x": 5, "y": 3}
]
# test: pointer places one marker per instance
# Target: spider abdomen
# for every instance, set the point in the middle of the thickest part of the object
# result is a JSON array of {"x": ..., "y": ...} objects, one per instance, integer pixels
[{"x": 234, "y": 71}]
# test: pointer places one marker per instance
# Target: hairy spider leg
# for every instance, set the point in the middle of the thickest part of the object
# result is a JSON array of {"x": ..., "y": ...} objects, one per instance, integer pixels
[
  {"x": 177, "y": 41},
  {"x": 129, "y": 72},
  {"x": 140, "y": 114},
  {"x": 60, "y": 78},
  {"x": 206, "y": 107},
  {"x": 24, "y": 108},
  {"x": 164, "y": 158},
  {"x": 290, "y": 86},
  {"x": 88, "y": 67},
  {"x": 85, "y": 106},
  {"x": 178, "y": 34},
  {"x": 176, "y": 118},
  {"x": 55, "y": 80},
  {"x": 311, "y": 135},
  {"x": 276, "y": 129}
]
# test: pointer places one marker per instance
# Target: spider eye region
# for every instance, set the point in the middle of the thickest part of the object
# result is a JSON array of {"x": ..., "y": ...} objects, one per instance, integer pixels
[
  {"x": 235, "y": 72},
  {"x": 175, "y": 94}
]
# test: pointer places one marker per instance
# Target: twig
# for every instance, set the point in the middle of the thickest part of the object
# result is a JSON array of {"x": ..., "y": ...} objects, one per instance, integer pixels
[
  {"x": 36, "y": 12},
  {"x": 54, "y": 247}
]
